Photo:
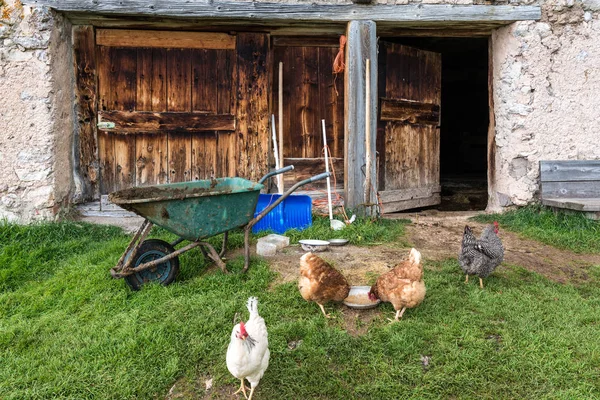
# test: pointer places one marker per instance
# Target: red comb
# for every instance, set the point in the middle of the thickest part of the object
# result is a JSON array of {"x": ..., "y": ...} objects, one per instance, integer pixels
[{"x": 243, "y": 329}]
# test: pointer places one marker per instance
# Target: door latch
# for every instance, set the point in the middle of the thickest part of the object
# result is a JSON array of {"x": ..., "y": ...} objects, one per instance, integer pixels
[{"x": 106, "y": 125}]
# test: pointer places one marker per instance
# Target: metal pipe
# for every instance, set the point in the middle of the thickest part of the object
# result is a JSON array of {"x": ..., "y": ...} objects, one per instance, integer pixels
[{"x": 276, "y": 172}]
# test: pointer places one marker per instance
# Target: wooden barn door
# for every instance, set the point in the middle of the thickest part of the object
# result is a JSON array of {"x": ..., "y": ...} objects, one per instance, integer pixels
[
  {"x": 166, "y": 109},
  {"x": 409, "y": 133},
  {"x": 311, "y": 93}
]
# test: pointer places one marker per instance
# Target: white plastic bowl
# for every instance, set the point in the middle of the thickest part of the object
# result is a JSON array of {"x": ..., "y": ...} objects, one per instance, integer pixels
[
  {"x": 361, "y": 292},
  {"x": 314, "y": 245}
]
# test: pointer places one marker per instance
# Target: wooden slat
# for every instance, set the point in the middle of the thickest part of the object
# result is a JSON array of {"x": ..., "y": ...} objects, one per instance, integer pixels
[
  {"x": 205, "y": 81},
  {"x": 159, "y": 80},
  {"x": 302, "y": 41},
  {"x": 570, "y": 170},
  {"x": 566, "y": 189},
  {"x": 294, "y": 101},
  {"x": 86, "y": 105},
  {"x": 304, "y": 168},
  {"x": 151, "y": 159},
  {"x": 311, "y": 123},
  {"x": 106, "y": 144},
  {"x": 199, "y": 169},
  {"x": 179, "y": 157},
  {"x": 123, "y": 83},
  {"x": 164, "y": 39},
  {"x": 409, "y": 194},
  {"x": 226, "y": 157},
  {"x": 395, "y": 206},
  {"x": 179, "y": 87},
  {"x": 410, "y": 111},
  {"x": 210, "y": 156},
  {"x": 579, "y": 204},
  {"x": 125, "y": 162},
  {"x": 224, "y": 81},
  {"x": 127, "y": 122},
  {"x": 266, "y": 11},
  {"x": 144, "y": 80},
  {"x": 253, "y": 144}
]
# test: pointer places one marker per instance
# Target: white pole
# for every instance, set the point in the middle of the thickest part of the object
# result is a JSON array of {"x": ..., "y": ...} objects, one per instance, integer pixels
[
  {"x": 280, "y": 125},
  {"x": 327, "y": 170},
  {"x": 368, "y": 133},
  {"x": 276, "y": 151}
]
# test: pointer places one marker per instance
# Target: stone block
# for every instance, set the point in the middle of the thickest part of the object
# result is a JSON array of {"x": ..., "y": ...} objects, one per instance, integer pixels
[
  {"x": 265, "y": 249},
  {"x": 278, "y": 240}
]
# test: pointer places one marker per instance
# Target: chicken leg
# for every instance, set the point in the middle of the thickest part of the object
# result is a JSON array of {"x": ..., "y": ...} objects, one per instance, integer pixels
[
  {"x": 324, "y": 313},
  {"x": 481, "y": 283},
  {"x": 399, "y": 315},
  {"x": 251, "y": 391},
  {"x": 466, "y": 278},
  {"x": 243, "y": 389}
]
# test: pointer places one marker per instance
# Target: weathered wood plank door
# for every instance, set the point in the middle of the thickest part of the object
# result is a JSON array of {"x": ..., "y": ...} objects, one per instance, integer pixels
[
  {"x": 409, "y": 133},
  {"x": 167, "y": 107}
]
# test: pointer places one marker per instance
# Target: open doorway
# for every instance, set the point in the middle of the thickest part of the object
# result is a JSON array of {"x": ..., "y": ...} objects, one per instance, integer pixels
[{"x": 464, "y": 119}]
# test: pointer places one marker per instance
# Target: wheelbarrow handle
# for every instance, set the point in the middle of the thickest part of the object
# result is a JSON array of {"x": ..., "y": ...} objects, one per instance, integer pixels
[
  {"x": 291, "y": 190},
  {"x": 276, "y": 172},
  {"x": 320, "y": 176}
]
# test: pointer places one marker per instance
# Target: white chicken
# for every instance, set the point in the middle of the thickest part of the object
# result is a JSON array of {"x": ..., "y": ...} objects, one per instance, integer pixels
[{"x": 248, "y": 352}]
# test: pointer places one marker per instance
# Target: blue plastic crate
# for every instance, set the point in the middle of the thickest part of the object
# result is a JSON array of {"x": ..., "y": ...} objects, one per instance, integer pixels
[{"x": 295, "y": 212}]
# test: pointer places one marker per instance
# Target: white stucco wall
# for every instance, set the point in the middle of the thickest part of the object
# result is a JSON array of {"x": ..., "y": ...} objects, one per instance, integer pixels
[
  {"x": 546, "y": 102},
  {"x": 35, "y": 108},
  {"x": 546, "y": 95}
]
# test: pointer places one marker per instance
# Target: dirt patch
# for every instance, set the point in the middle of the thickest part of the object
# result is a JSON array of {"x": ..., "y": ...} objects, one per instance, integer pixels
[{"x": 439, "y": 238}]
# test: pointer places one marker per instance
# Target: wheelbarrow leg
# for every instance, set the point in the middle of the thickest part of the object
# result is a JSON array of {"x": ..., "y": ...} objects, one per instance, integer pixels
[
  {"x": 224, "y": 247},
  {"x": 118, "y": 270},
  {"x": 213, "y": 255},
  {"x": 246, "y": 249}
]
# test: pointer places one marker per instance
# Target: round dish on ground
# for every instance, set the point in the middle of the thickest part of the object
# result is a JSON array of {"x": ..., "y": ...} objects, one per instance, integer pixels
[
  {"x": 313, "y": 245},
  {"x": 338, "y": 242},
  {"x": 358, "y": 298}
]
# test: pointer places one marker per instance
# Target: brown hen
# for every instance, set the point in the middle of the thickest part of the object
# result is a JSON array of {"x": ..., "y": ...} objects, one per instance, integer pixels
[
  {"x": 320, "y": 282},
  {"x": 403, "y": 286}
]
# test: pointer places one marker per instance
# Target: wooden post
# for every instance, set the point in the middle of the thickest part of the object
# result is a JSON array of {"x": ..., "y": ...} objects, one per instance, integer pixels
[
  {"x": 368, "y": 135},
  {"x": 280, "y": 103},
  {"x": 361, "y": 45}
]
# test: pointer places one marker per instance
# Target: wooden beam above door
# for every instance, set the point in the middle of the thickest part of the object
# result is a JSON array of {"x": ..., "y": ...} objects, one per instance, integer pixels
[
  {"x": 430, "y": 14},
  {"x": 164, "y": 39}
]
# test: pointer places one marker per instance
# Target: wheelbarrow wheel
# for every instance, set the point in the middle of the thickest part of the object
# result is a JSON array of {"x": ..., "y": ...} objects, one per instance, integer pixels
[{"x": 165, "y": 273}]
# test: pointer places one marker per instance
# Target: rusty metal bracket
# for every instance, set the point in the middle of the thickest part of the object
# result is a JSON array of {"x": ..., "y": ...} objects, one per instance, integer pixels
[{"x": 120, "y": 270}]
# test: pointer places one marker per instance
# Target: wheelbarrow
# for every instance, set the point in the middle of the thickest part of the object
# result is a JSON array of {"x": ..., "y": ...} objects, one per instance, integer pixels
[{"x": 193, "y": 211}]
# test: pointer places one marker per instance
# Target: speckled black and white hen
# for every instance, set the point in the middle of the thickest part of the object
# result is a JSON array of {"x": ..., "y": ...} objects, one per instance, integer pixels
[{"x": 480, "y": 256}]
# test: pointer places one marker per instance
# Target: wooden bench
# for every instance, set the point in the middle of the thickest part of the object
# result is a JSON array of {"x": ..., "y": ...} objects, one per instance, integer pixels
[{"x": 571, "y": 184}]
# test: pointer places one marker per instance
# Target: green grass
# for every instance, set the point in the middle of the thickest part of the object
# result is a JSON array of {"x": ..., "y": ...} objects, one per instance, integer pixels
[
  {"x": 563, "y": 230},
  {"x": 363, "y": 231},
  {"x": 67, "y": 330}
]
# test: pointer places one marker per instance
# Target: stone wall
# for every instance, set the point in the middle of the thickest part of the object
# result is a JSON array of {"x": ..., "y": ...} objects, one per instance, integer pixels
[
  {"x": 36, "y": 121},
  {"x": 546, "y": 95}
]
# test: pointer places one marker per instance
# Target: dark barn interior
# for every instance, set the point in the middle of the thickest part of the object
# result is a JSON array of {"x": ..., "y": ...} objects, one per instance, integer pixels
[{"x": 464, "y": 119}]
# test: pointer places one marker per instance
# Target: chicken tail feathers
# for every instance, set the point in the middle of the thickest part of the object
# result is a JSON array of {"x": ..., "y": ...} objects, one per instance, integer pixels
[{"x": 252, "y": 306}]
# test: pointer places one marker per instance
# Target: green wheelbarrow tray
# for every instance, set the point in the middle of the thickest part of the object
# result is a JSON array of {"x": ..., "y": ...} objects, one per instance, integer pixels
[{"x": 193, "y": 211}]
